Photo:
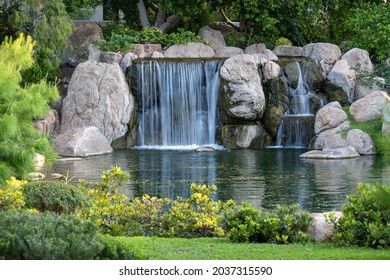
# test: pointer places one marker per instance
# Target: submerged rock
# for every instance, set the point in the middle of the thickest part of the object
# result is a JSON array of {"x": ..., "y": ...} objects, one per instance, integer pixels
[
  {"x": 205, "y": 149},
  {"x": 337, "y": 153}
]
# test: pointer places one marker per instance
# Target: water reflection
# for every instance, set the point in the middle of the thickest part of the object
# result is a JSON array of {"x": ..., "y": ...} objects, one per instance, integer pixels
[{"x": 263, "y": 177}]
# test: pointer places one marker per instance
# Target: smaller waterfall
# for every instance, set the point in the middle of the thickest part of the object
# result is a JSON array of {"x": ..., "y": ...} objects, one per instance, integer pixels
[
  {"x": 178, "y": 102},
  {"x": 297, "y": 126}
]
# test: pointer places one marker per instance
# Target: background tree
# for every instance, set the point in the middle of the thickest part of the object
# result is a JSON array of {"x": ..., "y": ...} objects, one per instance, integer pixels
[{"x": 19, "y": 106}]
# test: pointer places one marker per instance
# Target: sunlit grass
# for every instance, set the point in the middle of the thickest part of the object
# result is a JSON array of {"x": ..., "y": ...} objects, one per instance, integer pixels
[{"x": 154, "y": 248}]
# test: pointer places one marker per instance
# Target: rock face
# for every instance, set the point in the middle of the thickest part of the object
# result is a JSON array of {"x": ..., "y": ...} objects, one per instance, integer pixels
[
  {"x": 330, "y": 121},
  {"x": 98, "y": 95},
  {"x": 244, "y": 136},
  {"x": 359, "y": 59},
  {"x": 85, "y": 34},
  {"x": 213, "y": 37},
  {"x": 328, "y": 117},
  {"x": 288, "y": 51},
  {"x": 369, "y": 107},
  {"x": 242, "y": 91},
  {"x": 49, "y": 125},
  {"x": 325, "y": 53},
  {"x": 361, "y": 141},
  {"x": 341, "y": 82},
  {"x": 82, "y": 142},
  {"x": 227, "y": 52},
  {"x": 192, "y": 50}
]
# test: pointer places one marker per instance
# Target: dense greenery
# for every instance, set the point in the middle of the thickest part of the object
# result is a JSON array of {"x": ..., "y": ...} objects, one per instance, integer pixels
[
  {"x": 366, "y": 218},
  {"x": 19, "y": 106},
  {"x": 370, "y": 26},
  {"x": 121, "y": 38},
  {"x": 118, "y": 215},
  {"x": 285, "y": 224},
  {"x": 46, "y": 236},
  {"x": 11, "y": 195},
  {"x": 92, "y": 232},
  {"x": 56, "y": 197}
]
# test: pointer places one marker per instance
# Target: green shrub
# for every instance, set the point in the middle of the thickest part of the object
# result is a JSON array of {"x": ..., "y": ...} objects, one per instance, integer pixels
[
  {"x": 285, "y": 224},
  {"x": 118, "y": 215},
  {"x": 121, "y": 39},
  {"x": 181, "y": 37},
  {"x": 283, "y": 41},
  {"x": 57, "y": 197},
  {"x": 366, "y": 218},
  {"x": 116, "y": 248},
  {"x": 46, "y": 67},
  {"x": 196, "y": 216},
  {"x": 46, "y": 236},
  {"x": 11, "y": 194}
]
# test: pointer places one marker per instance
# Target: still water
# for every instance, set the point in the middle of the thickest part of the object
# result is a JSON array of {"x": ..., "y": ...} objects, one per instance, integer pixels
[{"x": 263, "y": 177}]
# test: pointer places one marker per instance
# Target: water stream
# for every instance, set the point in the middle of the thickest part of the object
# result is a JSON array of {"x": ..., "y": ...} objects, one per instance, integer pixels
[
  {"x": 177, "y": 102},
  {"x": 297, "y": 126}
]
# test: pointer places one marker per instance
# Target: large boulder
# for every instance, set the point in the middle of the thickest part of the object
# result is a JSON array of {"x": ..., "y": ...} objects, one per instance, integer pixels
[
  {"x": 341, "y": 82},
  {"x": 271, "y": 70},
  {"x": 359, "y": 60},
  {"x": 223, "y": 52},
  {"x": 325, "y": 53},
  {"x": 244, "y": 136},
  {"x": 191, "y": 50},
  {"x": 213, "y": 37},
  {"x": 146, "y": 50},
  {"x": 243, "y": 95},
  {"x": 288, "y": 51},
  {"x": 98, "y": 95},
  {"x": 321, "y": 229},
  {"x": 329, "y": 139},
  {"x": 328, "y": 117},
  {"x": 255, "y": 49},
  {"x": 369, "y": 107},
  {"x": 81, "y": 142},
  {"x": 83, "y": 36},
  {"x": 49, "y": 124},
  {"x": 111, "y": 57},
  {"x": 361, "y": 141}
]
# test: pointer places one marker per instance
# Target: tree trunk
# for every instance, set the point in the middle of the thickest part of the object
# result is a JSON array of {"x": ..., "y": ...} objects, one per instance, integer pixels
[
  {"x": 169, "y": 23},
  {"x": 143, "y": 15}
]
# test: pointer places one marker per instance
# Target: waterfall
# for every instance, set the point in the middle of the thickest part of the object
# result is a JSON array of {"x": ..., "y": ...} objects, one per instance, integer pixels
[
  {"x": 177, "y": 102},
  {"x": 297, "y": 126}
]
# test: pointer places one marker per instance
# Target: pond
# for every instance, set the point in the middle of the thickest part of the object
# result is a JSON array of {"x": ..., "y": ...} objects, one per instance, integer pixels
[{"x": 263, "y": 177}]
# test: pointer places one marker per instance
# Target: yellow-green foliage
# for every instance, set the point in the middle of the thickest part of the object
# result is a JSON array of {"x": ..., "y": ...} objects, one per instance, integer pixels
[
  {"x": 195, "y": 216},
  {"x": 116, "y": 214},
  {"x": 19, "y": 106},
  {"x": 11, "y": 195}
]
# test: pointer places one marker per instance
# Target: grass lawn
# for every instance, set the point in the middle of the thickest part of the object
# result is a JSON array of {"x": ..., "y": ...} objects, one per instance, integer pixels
[{"x": 154, "y": 248}]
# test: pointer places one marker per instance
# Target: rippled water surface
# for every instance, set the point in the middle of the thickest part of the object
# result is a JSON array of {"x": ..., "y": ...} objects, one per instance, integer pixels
[{"x": 264, "y": 177}]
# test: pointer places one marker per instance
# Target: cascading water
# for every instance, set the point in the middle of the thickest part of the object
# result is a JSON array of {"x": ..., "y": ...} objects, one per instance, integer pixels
[
  {"x": 297, "y": 126},
  {"x": 178, "y": 102}
]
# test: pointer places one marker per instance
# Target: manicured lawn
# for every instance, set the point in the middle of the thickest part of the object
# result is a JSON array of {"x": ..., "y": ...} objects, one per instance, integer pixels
[{"x": 154, "y": 248}]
